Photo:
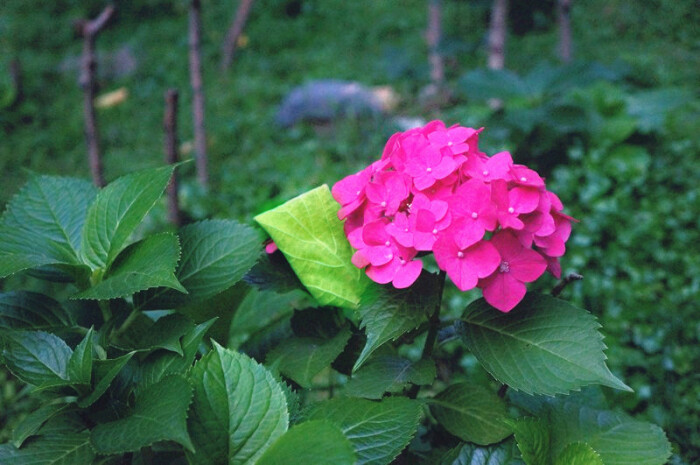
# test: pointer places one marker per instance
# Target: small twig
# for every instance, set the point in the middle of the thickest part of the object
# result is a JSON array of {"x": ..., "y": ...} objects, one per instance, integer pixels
[
  {"x": 89, "y": 31},
  {"x": 171, "y": 158},
  {"x": 200, "y": 138},
  {"x": 234, "y": 32},
  {"x": 565, "y": 282},
  {"x": 502, "y": 391}
]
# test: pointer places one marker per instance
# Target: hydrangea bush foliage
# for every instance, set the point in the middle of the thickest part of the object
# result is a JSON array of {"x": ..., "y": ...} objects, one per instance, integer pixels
[{"x": 195, "y": 346}]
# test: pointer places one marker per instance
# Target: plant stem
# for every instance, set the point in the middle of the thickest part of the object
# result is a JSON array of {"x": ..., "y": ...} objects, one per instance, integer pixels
[
  {"x": 106, "y": 312},
  {"x": 433, "y": 328},
  {"x": 565, "y": 282}
]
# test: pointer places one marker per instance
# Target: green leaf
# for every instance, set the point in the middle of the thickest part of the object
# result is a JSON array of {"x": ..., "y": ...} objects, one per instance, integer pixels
[
  {"x": 533, "y": 438},
  {"x": 377, "y": 430},
  {"x": 159, "y": 364},
  {"x": 238, "y": 409},
  {"x": 34, "y": 421},
  {"x": 146, "y": 264},
  {"x": 579, "y": 453},
  {"x": 215, "y": 256},
  {"x": 308, "y": 232},
  {"x": 544, "y": 345},
  {"x": 272, "y": 272},
  {"x": 312, "y": 442},
  {"x": 54, "y": 449},
  {"x": 302, "y": 358},
  {"x": 617, "y": 438},
  {"x": 118, "y": 210},
  {"x": 165, "y": 333},
  {"x": 484, "y": 84},
  {"x": 31, "y": 310},
  {"x": 104, "y": 372},
  {"x": 472, "y": 413},
  {"x": 389, "y": 373},
  {"x": 159, "y": 414},
  {"x": 42, "y": 223},
  {"x": 471, "y": 454},
  {"x": 37, "y": 358},
  {"x": 387, "y": 313},
  {"x": 80, "y": 363}
]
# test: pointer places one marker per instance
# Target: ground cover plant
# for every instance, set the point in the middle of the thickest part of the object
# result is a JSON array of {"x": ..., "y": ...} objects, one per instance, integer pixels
[{"x": 620, "y": 152}]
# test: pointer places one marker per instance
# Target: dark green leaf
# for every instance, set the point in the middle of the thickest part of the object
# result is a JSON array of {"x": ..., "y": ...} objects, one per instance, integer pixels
[
  {"x": 313, "y": 442},
  {"x": 37, "y": 358},
  {"x": 484, "y": 84},
  {"x": 30, "y": 310},
  {"x": 308, "y": 232},
  {"x": 34, "y": 421},
  {"x": 42, "y": 223},
  {"x": 118, "y": 210},
  {"x": 238, "y": 409},
  {"x": 377, "y": 430},
  {"x": 472, "y": 413},
  {"x": 104, "y": 372},
  {"x": 533, "y": 439},
  {"x": 159, "y": 414},
  {"x": 389, "y": 373},
  {"x": 544, "y": 345},
  {"x": 146, "y": 264},
  {"x": 80, "y": 363},
  {"x": 54, "y": 449},
  {"x": 471, "y": 454},
  {"x": 165, "y": 333},
  {"x": 388, "y": 313},
  {"x": 272, "y": 272},
  {"x": 301, "y": 358}
]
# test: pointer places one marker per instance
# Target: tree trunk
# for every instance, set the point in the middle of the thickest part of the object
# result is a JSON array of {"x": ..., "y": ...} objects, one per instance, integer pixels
[
  {"x": 88, "y": 69},
  {"x": 171, "y": 158},
  {"x": 564, "y": 20},
  {"x": 433, "y": 35},
  {"x": 234, "y": 32},
  {"x": 200, "y": 139},
  {"x": 497, "y": 34}
]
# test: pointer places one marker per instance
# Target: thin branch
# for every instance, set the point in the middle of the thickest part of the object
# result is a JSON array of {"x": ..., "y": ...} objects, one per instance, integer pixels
[
  {"x": 497, "y": 34},
  {"x": 171, "y": 158},
  {"x": 234, "y": 32},
  {"x": 433, "y": 35},
  {"x": 88, "y": 70},
  {"x": 200, "y": 138},
  {"x": 565, "y": 282}
]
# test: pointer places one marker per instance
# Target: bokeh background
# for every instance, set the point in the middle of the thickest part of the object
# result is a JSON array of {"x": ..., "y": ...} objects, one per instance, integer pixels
[{"x": 615, "y": 131}]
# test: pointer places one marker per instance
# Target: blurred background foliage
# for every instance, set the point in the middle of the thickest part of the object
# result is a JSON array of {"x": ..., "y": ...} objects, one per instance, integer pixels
[{"x": 615, "y": 132}]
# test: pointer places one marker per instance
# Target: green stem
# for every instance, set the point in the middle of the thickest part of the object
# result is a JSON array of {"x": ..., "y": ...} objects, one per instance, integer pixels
[
  {"x": 433, "y": 328},
  {"x": 127, "y": 323},
  {"x": 106, "y": 311}
]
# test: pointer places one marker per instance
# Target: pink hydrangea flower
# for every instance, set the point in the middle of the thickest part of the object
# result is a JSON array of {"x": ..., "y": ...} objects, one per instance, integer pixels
[{"x": 490, "y": 223}]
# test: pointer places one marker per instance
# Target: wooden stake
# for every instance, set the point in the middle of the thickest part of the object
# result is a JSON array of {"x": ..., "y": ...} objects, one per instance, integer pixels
[
  {"x": 564, "y": 21},
  {"x": 234, "y": 32},
  {"x": 170, "y": 128},
  {"x": 200, "y": 138},
  {"x": 88, "y": 70}
]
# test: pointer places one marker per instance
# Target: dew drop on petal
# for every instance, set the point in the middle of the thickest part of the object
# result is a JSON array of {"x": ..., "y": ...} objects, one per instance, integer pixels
[
  {"x": 523, "y": 179},
  {"x": 460, "y": 254}
]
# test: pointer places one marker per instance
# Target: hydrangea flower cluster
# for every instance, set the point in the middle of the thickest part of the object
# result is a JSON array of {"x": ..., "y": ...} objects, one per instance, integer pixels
[{"x": 490, "y": 223}]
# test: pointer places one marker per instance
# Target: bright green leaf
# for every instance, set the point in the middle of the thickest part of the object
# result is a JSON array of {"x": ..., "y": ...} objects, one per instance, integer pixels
[
  {"x": 146, "y": 264},
  {"x": 377, "y": 430},
  {"x": 533, "y": 438},
  {"x": 34, "y": 421},
  {"x": 579, "y": 453},
  {"x": 116, "y": 213},
  {"x": 80, "y": 363},
  {"x": 30, "y": 310},
  {"x": 544, "y": 345},
  {"x": 54, "y": 449},
  {"x": 389, "y": 373},
  {"x": 238, "y": 409},
  {"x": 37, "y": 357},
  {"x": 387, "y": 313},
  {"x": 159, "y": 414},
  {"x": 472, "y": 413},
  {"x": 308, "y": 232},
  {"x": 301, "y": 358},
  {"x": 104, "y": 372},
  {"x": 42, "y": 223},
  {"x": 312, "y": 442}
]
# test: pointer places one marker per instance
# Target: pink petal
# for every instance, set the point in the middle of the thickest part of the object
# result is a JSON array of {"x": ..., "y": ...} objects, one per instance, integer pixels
[
  {"x": 359, "y": 260},
  {"x": 524, "y": 199},
  {"x": 407, "y": 274},
  {"x": 374, "y": 233},
  {"x": 271, "y": 247},
  {"x": 527, "y": 266},
  {"x": 462, "y": 274},
  {"x": 446, "y": 167},
  {"x": 483, "y": 258},
  {"x": 382, "y": 274},
  {"x": 378, "y": 255},
  {"x": 503, "y": 291}
]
